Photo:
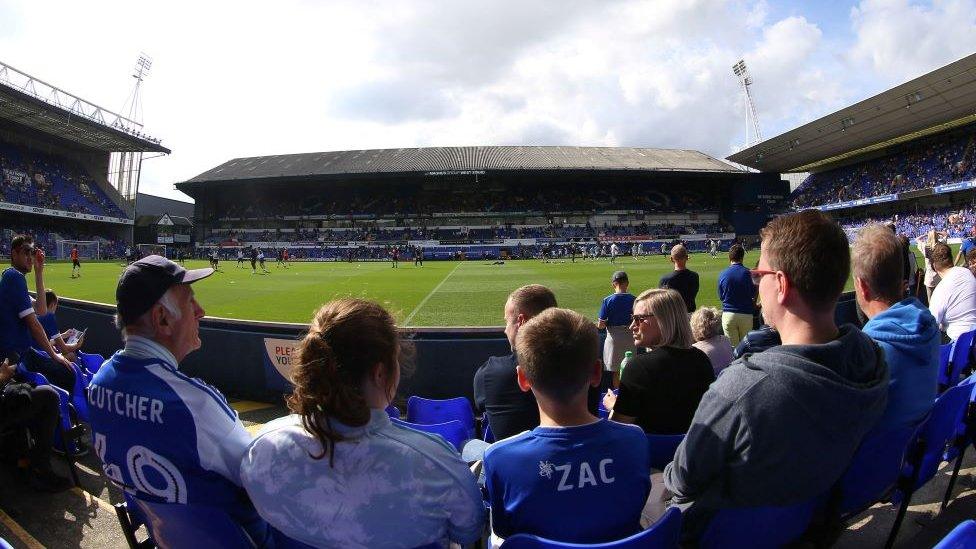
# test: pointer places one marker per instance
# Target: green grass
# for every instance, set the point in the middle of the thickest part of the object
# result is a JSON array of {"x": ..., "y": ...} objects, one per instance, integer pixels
[{"x": 441, "y": 293}]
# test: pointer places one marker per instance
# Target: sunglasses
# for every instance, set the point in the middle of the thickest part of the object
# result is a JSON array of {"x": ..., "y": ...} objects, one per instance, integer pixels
[
  {"x": 758, "y": 274},
  {"x": 637, "y": 319}
]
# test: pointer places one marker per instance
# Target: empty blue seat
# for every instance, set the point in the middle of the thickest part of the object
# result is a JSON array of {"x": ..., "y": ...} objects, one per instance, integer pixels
[
  {"x": 963, "y": 536},
  {"x": 91, "y": 362},
  {"x": 927, "y": 451},
  {"x": 874, "y": 471},
  {"x": 760, "y": 527},
  {"x": 185, "y": 525},
  {"x": 393, "y": 411},
  {"x": 958, "y": 361},
  {"x": 663, "y": 534},
  {"x": 429, "y": 411},
  {"x": 452, "y": 431},
  {"x": 964, "y": 436},
  {"x": 281, "y": 541},
  {"x": 663, "y": 448}
]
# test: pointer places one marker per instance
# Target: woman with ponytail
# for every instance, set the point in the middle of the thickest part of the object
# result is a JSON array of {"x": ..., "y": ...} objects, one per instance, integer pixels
[{"x": 337, "y": 472}]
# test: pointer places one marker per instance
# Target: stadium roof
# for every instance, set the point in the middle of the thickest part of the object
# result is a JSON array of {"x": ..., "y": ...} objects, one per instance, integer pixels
[
  {"x": 33, "y": 103},
  {"x": 937, "y": 101},
  {"x": 439, "y": 160}
]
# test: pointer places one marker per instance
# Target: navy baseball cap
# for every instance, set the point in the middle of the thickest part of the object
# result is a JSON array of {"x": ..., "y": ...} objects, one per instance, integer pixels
[
  {"x": 619, "y": 276},
  {"x": 145, "y": 281}
]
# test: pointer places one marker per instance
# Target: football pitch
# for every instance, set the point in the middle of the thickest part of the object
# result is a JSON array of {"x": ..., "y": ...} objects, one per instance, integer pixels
[{"x": 441, "y": 293}]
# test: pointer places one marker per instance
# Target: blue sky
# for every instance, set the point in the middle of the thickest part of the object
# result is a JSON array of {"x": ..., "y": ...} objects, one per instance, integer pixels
[{"x": 248, "y": 78}]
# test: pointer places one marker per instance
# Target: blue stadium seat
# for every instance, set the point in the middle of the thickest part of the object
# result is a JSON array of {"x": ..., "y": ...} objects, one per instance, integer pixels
[
  {"x": 962, "y": 536},
  {"x": 964, "y": 436},
  {"x": 945, "y": 363},
  {"x": 927, "y": 451},
  {"x": 68, "y": 432},
  {"x": 454, "y": 432},
  {"x": 760, "y": 527},
  {"x": 281, "y": 541},
  {"x": 90, "y": 362},
  {"x": 393, "y": 412},
  {"x": 486, "y": 434},
  {"x": 663, "y": 534},
  {"x": 663, "y": 448},
  {"x": 874, "y": 471},
  {"x": 5, "y": 545},
  {"x": 959, "y": 360},
  {"x": 184, "y": 525},
  {"x": 427, "y": 411}
]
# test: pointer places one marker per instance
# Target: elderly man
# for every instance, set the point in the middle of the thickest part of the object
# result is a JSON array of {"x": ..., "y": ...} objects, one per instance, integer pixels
[{"x": 160, "y": 434}]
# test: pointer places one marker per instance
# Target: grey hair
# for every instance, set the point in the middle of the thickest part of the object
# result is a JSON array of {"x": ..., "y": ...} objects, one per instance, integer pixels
[
  {"x": 141, "y": 325},
  {"x": 706, "y": 323}
]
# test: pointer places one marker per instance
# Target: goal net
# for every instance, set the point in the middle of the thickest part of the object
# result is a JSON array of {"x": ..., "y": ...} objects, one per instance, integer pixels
[
  {"x": 151, "y": 249},
  {"x": 87, "y": 249}
]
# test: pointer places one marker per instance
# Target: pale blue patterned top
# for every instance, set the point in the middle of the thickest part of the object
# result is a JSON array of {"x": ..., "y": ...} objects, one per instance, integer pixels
[{"x": 390, "y": 486}]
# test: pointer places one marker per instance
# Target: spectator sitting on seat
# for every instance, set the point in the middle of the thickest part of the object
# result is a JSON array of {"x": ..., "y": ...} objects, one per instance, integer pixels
[
  {"x": 509, "y": 409},
  {"x": 953, "y": 302},
  {"x": 37, "y": 409},
  {"x": 160, "y": 434},
  {"x": 757, "y": 341},
  {"x": 682, "y": 279},
  {"x": 338, "y": 472},
  {"x": 18, "y": 321},
  {"x": 706, "y": 328},
  {"x": 903, "y": 328},
  {"x": 738, "y": 295},
  {"x": 966, "y": 245},
  {"x": 971, "y": 261},
  {"x": 614, "y": 316},
  {"x": 572, "y": 460},
  {"x": 780, "y": 427},
  {"x": 660, "y": 390},
  {"x": 46, "y": 309}
]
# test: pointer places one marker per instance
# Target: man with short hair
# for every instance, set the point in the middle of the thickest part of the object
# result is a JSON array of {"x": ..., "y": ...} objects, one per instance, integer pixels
[
  {"x": 906, "y": 331},
  {"x": 572, "y": 460},
  {"x": 160, "y": 434},
  {"x": 953, "y": 301},
  {"x": 682, "y": 279},
  {"x": 738, "y": 295},
  {"x": 966, "y": 245},
  {"x": 497, "y": 394},
  {"x": 75, "y": 263},
  {"x": 780, "y": 427},
  {"x": 19, "y": 324}
]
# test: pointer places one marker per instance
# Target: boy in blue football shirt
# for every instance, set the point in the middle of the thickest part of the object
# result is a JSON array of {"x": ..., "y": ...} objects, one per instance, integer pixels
[{"x": 573, "y": 465}]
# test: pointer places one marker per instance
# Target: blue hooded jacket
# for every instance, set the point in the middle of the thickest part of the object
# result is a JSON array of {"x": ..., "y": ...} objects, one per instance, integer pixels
[{"x": 909, "y": 336}]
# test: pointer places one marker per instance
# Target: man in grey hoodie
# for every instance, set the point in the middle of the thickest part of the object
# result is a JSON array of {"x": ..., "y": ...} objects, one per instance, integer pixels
[{"x": 780, "y": 427}]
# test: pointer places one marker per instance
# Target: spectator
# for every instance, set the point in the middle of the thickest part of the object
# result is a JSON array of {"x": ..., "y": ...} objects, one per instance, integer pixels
[
  {"x": 738, "y": 295},
  {"x": 188, "y": 440},
  {"x": 660, "y": 390},
  {"x": 36, "y": 409},
  {"x": 953, "y": 302},
  {"x": 780, "y": 427},
  {"x": 903, "y": 328},
  {"x": 583, "y": 462},
  {"x": 329, "y": 474},
  {"x": 912, "y": 266},
  {"x": 966, "y": 245},
  {"x": 18, "y": 321},
  {"x": 757, "y": 341},
  {"x": 682, "y": 279},
  {"x": 706, "y": 328},
  {"x": 614, "y": 316},
  {"x": 46, "y": 316},
  {"x": 971, "y": 261},
  {"x": 497, "y": 394},
  {"x": 926, "y": 245}
]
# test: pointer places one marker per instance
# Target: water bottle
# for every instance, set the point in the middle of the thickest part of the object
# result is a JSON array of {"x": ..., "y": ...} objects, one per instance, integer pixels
[{"x": 623, "y": 363}]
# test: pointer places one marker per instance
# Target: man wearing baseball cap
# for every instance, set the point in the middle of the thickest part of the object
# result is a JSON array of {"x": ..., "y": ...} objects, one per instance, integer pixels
[{"x": 160, "y": 434}]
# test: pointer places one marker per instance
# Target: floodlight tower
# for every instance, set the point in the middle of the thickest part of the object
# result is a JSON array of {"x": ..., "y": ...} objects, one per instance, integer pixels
[
  {"x": 125, "y": 166},
  {"x": 752, "y": 117}
]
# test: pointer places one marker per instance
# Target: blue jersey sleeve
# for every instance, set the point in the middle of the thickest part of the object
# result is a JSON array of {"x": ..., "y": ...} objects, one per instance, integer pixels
[
  {"x": 15, "y": 292},
  {"x": 603, "y": 309}
]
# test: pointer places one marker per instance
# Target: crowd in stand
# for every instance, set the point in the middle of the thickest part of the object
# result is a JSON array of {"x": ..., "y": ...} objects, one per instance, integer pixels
[
  {"x": 46, "y": 236},
  {"x": 952, "y": 221},
  {"x": 922, "y": 164},
  {"x": 33, "y": 178},
  {"x": 340, "y": 472}
]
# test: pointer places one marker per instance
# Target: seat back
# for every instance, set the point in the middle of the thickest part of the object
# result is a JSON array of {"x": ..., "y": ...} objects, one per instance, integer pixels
[
  {"x": 281, "y": 541},
  {"x": 663, "y": 448},
  {"x": 428, "y": 411},
  {"x": 663, "y": 534},
  {"x": 961, "y": 350},
  {"x": 185, "y": 525},
  {"x": 962, "y": 536},
  {"x": 393, "y": 412},
  {"x": 759, "y": 527},
  {"x": 486, "y": 434},
  {"x": 91, "y": 362},
  {"x": 938, "y": 432},
  {"x": 452, "y": 431},
  {"x": 945, "y": 364},
  {"x": 874, "y": 470}
]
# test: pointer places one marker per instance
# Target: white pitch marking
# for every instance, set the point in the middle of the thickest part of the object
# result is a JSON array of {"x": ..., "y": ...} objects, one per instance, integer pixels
[{"x": 425, "y": 299}]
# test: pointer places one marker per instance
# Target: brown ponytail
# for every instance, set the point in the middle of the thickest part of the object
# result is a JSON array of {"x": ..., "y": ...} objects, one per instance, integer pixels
[{"x": 346, "y": 339}]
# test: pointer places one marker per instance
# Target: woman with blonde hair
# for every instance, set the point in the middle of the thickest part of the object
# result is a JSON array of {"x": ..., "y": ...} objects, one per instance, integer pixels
[
  {"x": 660, "y": 390},
  {"x": 338, "y": 472},
  {"x": 706, "y": 328},
  {"x": 925, "y": 245}
]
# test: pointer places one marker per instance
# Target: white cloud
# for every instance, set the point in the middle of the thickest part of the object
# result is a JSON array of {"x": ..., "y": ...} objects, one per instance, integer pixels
[{"x": 247, "y": 78}]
